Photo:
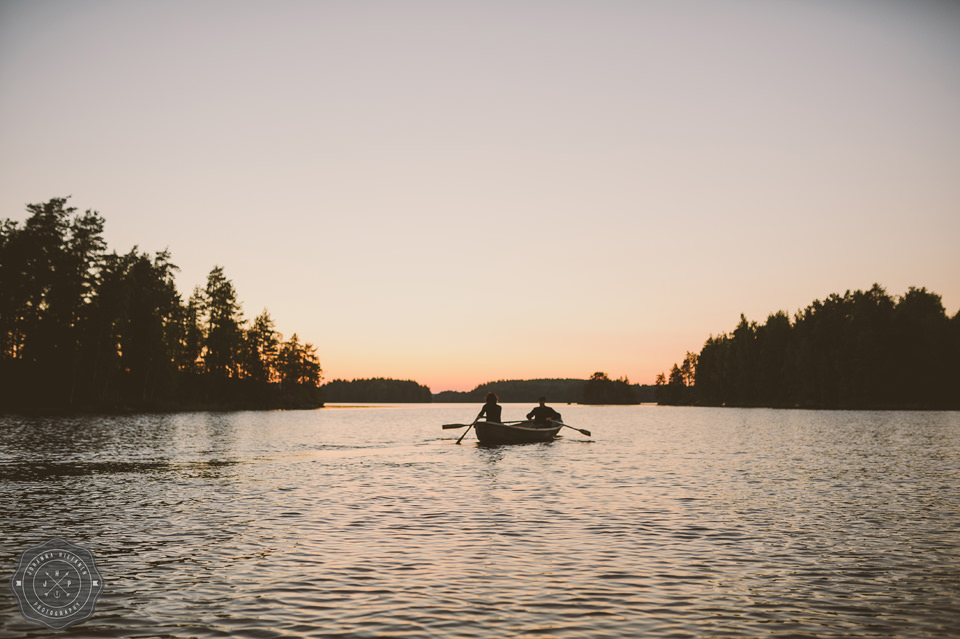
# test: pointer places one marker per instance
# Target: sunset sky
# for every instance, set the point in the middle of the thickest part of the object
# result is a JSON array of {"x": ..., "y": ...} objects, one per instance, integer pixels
[{"x": 458, "y": 192}]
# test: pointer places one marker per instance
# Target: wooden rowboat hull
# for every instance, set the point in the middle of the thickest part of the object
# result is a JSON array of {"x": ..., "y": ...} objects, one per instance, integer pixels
[{"x": 494, "y": 434}]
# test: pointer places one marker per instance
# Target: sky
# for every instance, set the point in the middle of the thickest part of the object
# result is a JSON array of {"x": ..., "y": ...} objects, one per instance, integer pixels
[{"x": 457, "y": 192}]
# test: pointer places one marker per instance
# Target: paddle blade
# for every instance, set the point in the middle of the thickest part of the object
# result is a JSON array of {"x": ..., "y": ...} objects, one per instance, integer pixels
[
  {"x": 579, "y": 430},
  {"x": 447, "y": 426}
]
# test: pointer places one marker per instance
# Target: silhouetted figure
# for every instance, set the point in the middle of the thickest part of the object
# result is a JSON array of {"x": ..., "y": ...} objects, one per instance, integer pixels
[
  {"x": 542, "y": 413},
  {"x": 491, "y": 409}
]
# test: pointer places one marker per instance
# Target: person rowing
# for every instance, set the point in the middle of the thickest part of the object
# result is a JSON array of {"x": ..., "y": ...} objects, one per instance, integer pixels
[
  {"x": 492, "y": 410},
  {"x": 542, "y": 415}
]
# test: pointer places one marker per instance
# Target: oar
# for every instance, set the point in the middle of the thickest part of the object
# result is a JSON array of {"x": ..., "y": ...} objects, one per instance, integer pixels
[
  {"x": 468, "y": 429},
  {"x": 579, "y": 430},
  {"x": 449, "y": 426}
]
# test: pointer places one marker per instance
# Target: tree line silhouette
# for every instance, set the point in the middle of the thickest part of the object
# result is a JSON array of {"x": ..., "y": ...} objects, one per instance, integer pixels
[
  {"x": 81, "y": 328},
  {"x": 377, "y": 389},
  {"x": 858, "y": 350},
  {"x": 557, "y": 390},
  {"x": 599, "y": 389}
]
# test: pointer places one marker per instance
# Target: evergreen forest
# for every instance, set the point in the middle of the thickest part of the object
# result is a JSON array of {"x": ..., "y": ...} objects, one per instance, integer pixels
[
  {"x": 85, "y": 328},
  {"x": 377, "y": 390},
  {"x": 859, "y": 350},
  {"x": 599, "y": 389},
  {"x": 82, "y": 328}
]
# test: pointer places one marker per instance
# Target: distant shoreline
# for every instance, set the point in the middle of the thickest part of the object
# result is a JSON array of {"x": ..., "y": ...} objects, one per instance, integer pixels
[{"x": 129, "y": 411}]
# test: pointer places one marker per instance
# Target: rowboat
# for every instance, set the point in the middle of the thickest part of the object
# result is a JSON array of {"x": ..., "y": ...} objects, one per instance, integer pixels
[{"x": 495, "y": 433}]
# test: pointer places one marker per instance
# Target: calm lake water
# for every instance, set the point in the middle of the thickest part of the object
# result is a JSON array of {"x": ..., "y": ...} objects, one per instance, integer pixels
[{"x": 371, "y": 522}]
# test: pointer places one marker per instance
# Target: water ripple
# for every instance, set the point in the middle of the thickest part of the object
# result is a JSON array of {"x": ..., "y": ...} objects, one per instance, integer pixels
[{"x": 373, "y": 523}]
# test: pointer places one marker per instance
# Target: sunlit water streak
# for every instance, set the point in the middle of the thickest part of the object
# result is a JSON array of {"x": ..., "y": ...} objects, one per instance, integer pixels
[{"x": 371, "y": 522}]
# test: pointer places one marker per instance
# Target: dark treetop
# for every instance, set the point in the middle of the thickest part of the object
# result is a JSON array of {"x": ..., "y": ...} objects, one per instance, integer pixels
[
  {"x": 84, "y": 329},
  {"x": 860, "y": 350}
]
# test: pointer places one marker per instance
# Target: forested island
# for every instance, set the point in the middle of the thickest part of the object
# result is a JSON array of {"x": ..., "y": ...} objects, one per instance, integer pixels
[
  {"x": 859, "y": 350},
  {"x": 86, "y": 329},
  {"x": 377, "y": 390},
  {"x": 599, "y": 389}
]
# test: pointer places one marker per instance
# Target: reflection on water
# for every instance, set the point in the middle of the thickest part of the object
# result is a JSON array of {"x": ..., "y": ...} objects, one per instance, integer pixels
[{"x": 372, "y": 522}]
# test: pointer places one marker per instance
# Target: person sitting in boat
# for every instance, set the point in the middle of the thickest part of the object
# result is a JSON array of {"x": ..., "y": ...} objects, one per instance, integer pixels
[
  {"x": 491, "y": 409},
  {"x": 542, "y": 414}
]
